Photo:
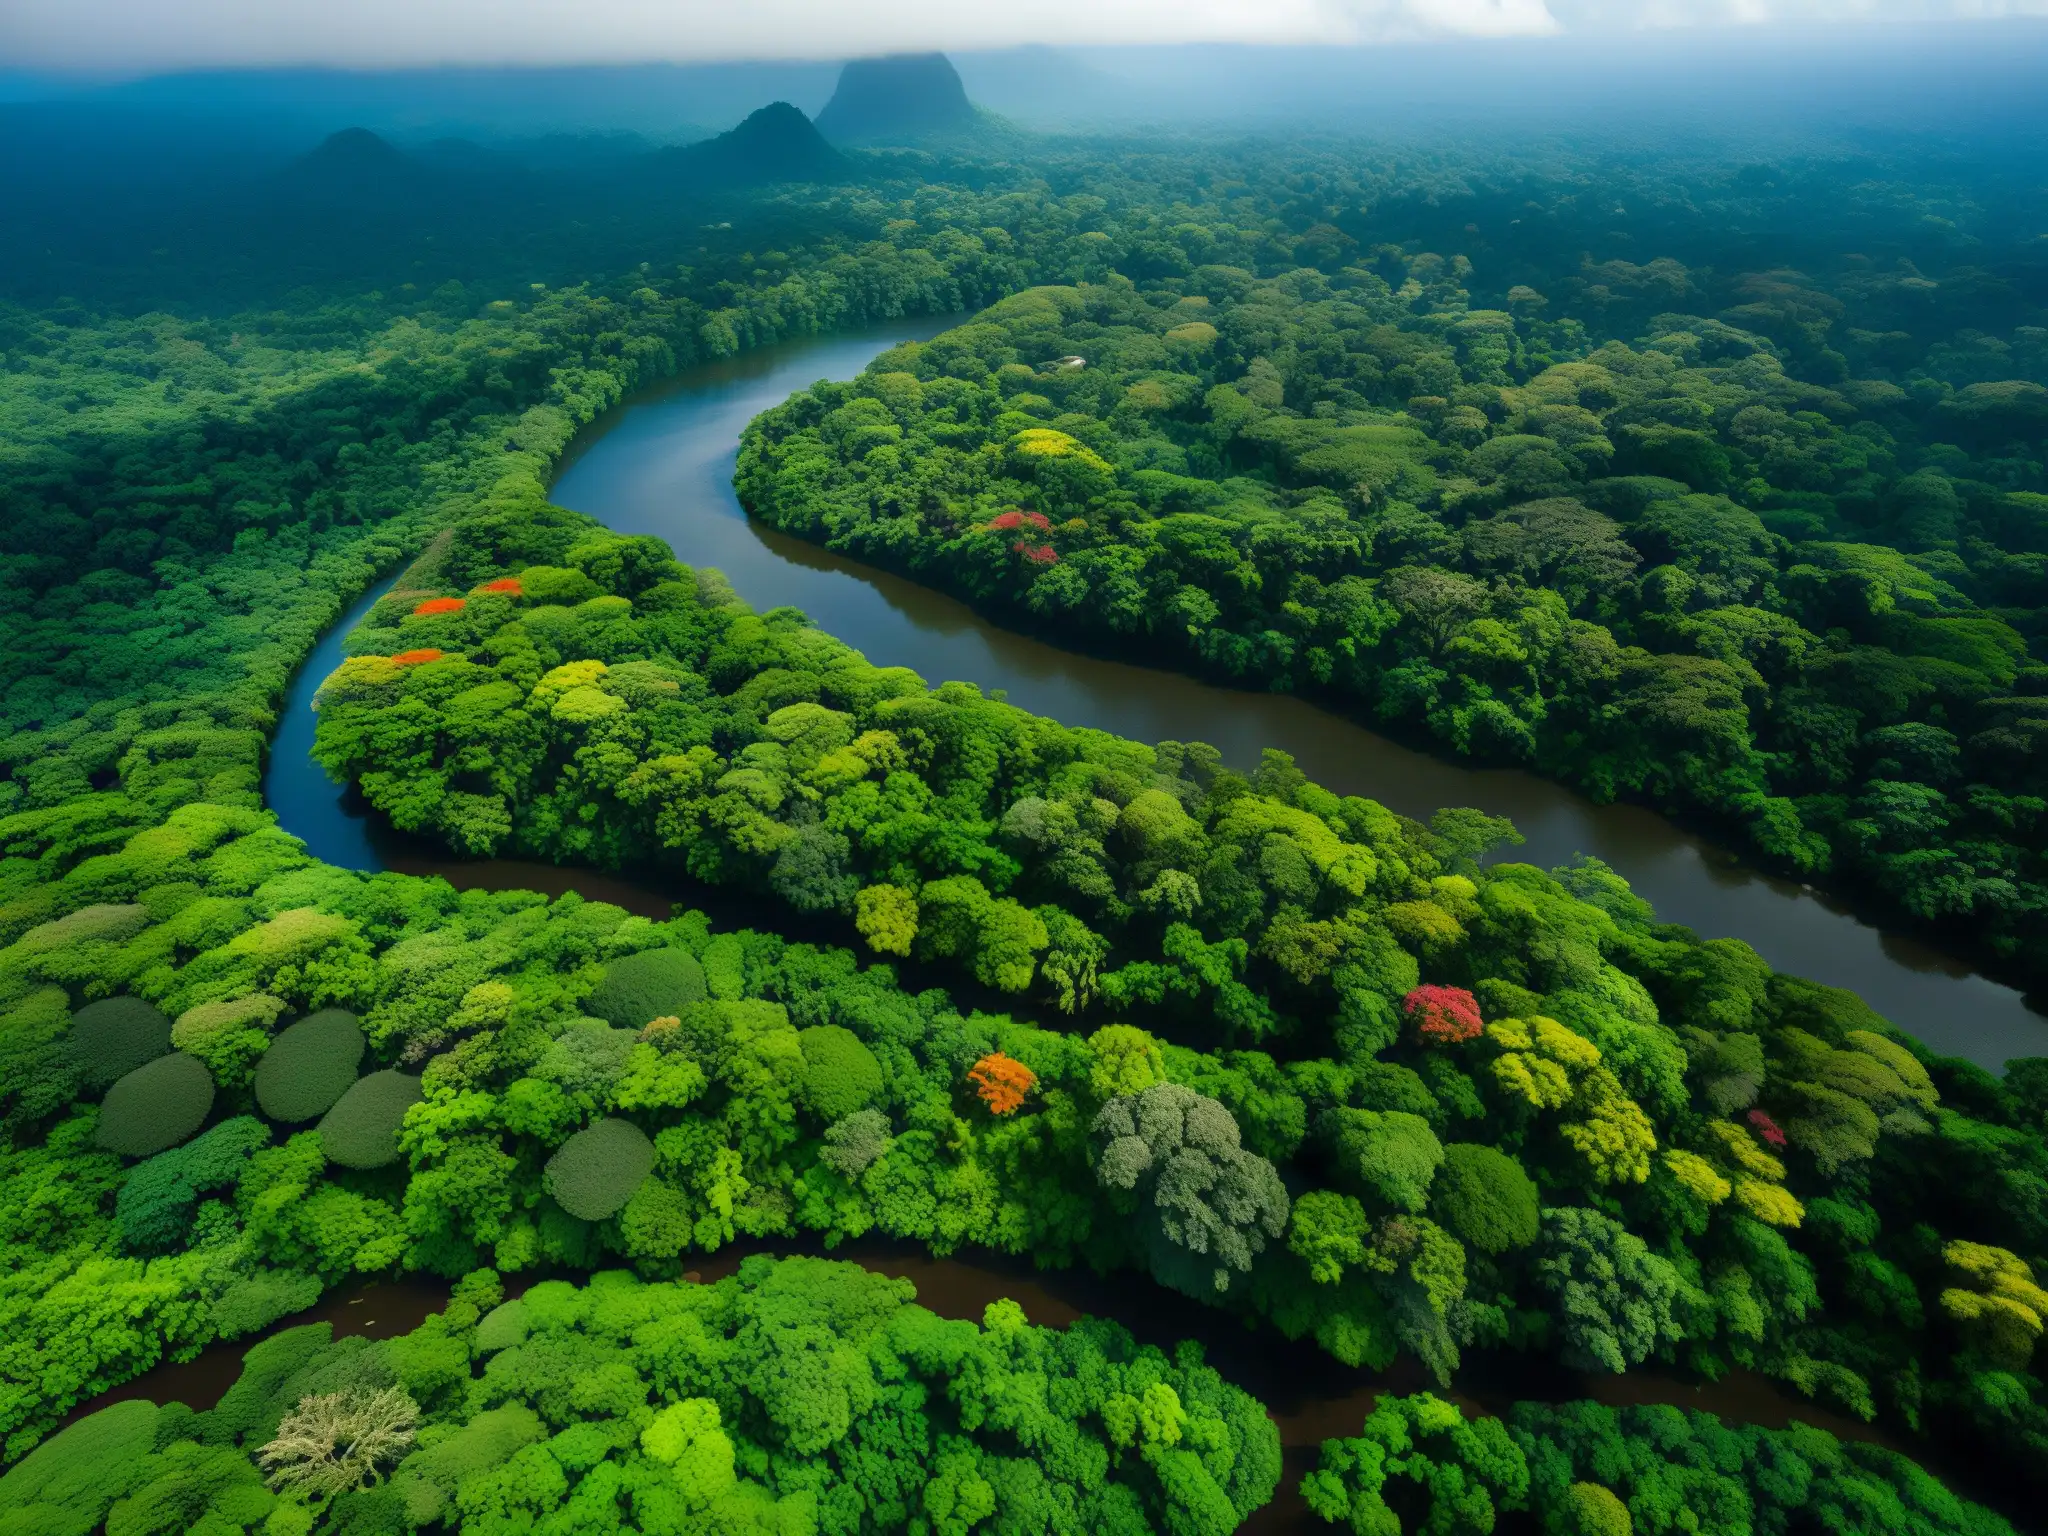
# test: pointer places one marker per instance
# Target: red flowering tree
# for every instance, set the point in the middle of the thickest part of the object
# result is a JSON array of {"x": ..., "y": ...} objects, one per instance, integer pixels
[
  {"x": 1767, "y": 1128},
  {"x": 434, "y": 605},
  {"x": 414, "y": 658},
  {"x": 1015, "y": 518},
  {"x": 1443, "y": 1015},
  {"x": 504, "y": 586},
  {"x": 1037, "y": 554},
  {"x": 1002, "y": 1082}
]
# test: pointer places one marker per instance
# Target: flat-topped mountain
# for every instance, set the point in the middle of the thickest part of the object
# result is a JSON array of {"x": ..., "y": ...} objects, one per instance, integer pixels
[{"x": 905, "y": 95}]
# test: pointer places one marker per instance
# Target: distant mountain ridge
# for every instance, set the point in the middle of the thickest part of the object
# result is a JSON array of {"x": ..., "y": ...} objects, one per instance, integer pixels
[
  {"x": 902, "y": 96},
  {"x": 354, "y": 158},
  {"x": 775, "y": 143},
  {"x": 358, "y": 174}
]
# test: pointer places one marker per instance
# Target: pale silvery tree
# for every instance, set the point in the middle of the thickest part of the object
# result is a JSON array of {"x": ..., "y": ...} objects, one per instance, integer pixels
[{"x": 333, "y": 1443}]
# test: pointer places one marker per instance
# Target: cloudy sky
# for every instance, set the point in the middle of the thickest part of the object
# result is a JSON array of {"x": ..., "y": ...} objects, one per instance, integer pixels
[{"x": 128, "y": 35}]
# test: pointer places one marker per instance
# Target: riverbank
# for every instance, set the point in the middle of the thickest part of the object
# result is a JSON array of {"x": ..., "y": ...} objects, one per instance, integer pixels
[
  {"x": 1309, "y": 1396},
  {"x": 662, "y": 464},
  {"x": 668, "y": 472}
]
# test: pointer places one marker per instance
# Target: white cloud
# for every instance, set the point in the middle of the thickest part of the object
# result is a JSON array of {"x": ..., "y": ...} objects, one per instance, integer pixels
[
  {"x": 158, "y": 34},
  {"x": 1647, "y": 15},
  {"x": 1365, "y": 21}
]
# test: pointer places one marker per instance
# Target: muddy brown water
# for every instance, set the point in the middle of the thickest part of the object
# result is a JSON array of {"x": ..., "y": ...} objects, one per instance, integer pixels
[{"x": 1309, "y": 1396}]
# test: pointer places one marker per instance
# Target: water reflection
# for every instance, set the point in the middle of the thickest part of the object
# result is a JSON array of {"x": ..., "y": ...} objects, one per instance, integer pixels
[
  {"x": 335, "y": 824},
  {"x": 663, "y": 465}
]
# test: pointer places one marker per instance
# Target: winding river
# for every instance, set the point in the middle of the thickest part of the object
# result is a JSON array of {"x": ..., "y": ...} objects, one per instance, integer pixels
[{"x": 662, "y": 464}]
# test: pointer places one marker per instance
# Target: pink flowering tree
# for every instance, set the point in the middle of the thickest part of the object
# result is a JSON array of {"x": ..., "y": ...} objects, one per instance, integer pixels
[{"x": 1443, "y": 1015}]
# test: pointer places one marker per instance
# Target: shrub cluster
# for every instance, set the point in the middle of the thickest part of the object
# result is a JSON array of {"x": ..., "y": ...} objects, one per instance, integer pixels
[
  {"x": 361, "y": 1130},
  {"x": 654, "y": 984},
  {"x": 309, "y": 1066},
  {"x": 1589, "y": 1470},
  {"x": 841, "y": 1075},
  {"x": 159, "y": 1197},
  {"x": 114, "y": 1036},
  {"x": 156, "y": 1106},
  {"x": 594, "y": 1173}
]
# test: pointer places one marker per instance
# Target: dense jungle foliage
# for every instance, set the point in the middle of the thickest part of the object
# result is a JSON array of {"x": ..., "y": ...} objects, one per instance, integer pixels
[
  {"x": 1589, "y": 1469},
  {"x": 806, "y": 1395},
  {"x": 1763, "y": 547},
  {"x": 797, "y": 1396},
  {"x": 693, "y": 1420},
  {"x": 1033, "y": 989},
  {"x": 1450, "y": 1105}
]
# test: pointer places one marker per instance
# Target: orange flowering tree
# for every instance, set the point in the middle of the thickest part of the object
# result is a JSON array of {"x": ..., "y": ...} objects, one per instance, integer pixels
[
  {"x": 434, "y": 605},
  {"x": 1002, "y": 1082},
  {"x": 504, "y": 586},
  {"x": 414, "y": 658}
]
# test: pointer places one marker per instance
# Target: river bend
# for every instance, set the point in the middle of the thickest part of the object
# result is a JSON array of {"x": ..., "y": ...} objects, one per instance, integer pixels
[{"x": 662, "y": 464}]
